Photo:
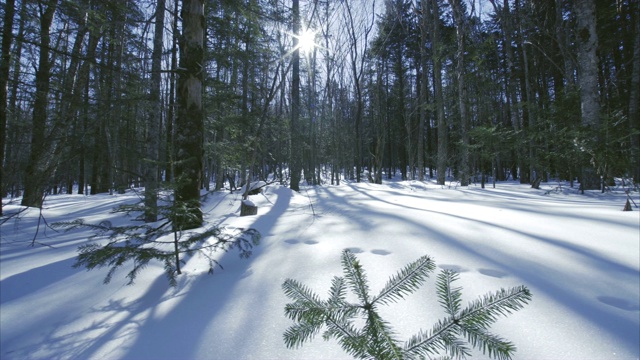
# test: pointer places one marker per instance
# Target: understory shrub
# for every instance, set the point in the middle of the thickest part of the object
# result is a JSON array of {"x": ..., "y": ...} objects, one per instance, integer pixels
[{"x": 161, "y": 241}]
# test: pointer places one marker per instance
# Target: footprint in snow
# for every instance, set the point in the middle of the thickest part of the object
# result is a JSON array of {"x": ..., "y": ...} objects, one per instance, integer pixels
[
  {"x": 456, "y": 268},
  {"x": 380, "y": 252},
  {"x": 293, "y": 242},
  {"x": 493, "y": 273}
]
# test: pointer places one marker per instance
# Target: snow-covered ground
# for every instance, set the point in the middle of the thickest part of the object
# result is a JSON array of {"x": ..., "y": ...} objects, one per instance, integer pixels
[{"x": 578, "y": 254}]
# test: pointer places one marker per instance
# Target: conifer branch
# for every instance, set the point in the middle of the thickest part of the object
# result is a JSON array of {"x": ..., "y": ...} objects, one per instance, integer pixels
[
  {"x": 141, "y": 244},
  {"x": 355, "y": 276},
  {"x": 297, "y": 334},
  {"x": 490, "y": 344},
  {"x": 377, "y": 339},
  {"x": 406, "y": 281},
  {"x": 448, "y": 297},
  {"x": 483, "y": 312}
]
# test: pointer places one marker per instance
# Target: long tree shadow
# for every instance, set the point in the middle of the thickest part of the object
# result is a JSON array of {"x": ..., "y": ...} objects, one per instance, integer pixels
[
  {"x": 198, "y": 308},
  {"x": 31, "y": 281},
  {"x": 546, "y": 278}
]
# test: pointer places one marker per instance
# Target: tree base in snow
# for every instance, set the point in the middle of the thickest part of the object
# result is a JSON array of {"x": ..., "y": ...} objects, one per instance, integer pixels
[
  {"x": 536, "y": 183},
  {"x": 627, "y": 206},
  {"x": 247, "y": 208}
]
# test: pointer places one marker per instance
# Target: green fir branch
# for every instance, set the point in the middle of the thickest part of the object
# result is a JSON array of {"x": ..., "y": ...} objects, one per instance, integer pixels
[
  {"x": 406, "y": 281},
  {"x": 141, "y": 244},
  {"x": 296, "y": 335},
  {"x": 353, "y": 342},
  {"x": 382, "y": 343},
  {"x": 356, "y": 277},
  {"x": 443, "y": 337},
  {"x": 307, "y": 306},
  {"x": 485, "y": 311},
  {"x": 377, "y": 339},
  {"x": 490, "y": 344},
  {"x": 450, "y": 298}
]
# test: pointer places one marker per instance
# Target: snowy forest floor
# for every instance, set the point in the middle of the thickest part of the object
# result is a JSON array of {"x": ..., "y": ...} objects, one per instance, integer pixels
[{"x": 578, "y": 254}]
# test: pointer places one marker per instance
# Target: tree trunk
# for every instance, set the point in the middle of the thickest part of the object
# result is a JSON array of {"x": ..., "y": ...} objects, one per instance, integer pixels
[
  {"x": 441, "y": 164},
  {"x": 296, "y": 148},
  {"x": 169, "y": 156},
  {"x": 424, "y": 79},
  {"x": 462, "y": 91},
  {"x": 155, "y": 115},
  {"x": 5, "y": 65},
  {"x": 529, "y": 100},
  {"x": 587, "y": 40},
  {"x": 39, "y": 162},
  {"x": 634, "y": 102},
  {"x": 189, "y": 121}
]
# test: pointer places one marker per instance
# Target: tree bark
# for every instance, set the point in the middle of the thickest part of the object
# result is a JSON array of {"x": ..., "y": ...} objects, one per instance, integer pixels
[
  {"x": 458, "y": 16},
  {"x": 443, "y": 146},
  {"x": 587, "y": 40},
  {"x": 155, "y": 115},
  {"x": 170, "y": 146},
  {"x": 424, "y": 86},
  {"x": 5, "y": 65},
  {"x": 634, "y": 102},
  {"x": 296, "y": 148},
  {"x": 189, "y": 121},
  {"x": 39, "y": 158}
]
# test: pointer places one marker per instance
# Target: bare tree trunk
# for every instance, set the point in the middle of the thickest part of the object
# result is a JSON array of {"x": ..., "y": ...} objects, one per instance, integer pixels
[
  {"x": 37, "y": 169},
  {"x": 357, "y": 61},
  {"x": 510, "y": 78},
  {"x": 634, "y": 102},
  {"x": 189, "y": 121},
  {"x": 155, "y": 116},
  {"x": 169, "y": 156},
  {"x": 424, "y": 79},
  {"x": 10, "y": 170},
  {"x": 529, "y": 104},
  {"x": 296, "y": 148},
  {"x": 443, "y": 146},
  {"x": 5, "y": 65},
  {"x": 587, "y": 40},
  {"x": 462, "y": 91}
]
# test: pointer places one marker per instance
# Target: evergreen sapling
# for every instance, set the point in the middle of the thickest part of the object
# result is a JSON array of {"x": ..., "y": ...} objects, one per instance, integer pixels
[{"x": 162, "y": 241}]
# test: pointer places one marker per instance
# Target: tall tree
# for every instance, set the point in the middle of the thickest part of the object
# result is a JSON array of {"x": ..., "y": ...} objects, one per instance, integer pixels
[
  {"x": 358, "y": 42},
  {"x": 443, "y": 135},
  {"x": 296, "y": 146},
  {"x": 587, "y": 41},
  {"x": 39, "y": 166},
  {"x": 634, "y": 100},
  {"x": 5, "y": 65},
  {"x": 190, "y": 119},
  {"x": 459, "y": 17},
  {"x": 424, "y": 84},
  {"x": 155, "y": 114}
]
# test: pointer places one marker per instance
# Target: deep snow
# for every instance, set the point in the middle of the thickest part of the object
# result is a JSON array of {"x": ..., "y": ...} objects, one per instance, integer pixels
[{"x": 578, "y": 254}]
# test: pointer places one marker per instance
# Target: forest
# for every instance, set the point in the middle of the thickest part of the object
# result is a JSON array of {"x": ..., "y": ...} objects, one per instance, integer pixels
[{"x": 103, "y": 96}]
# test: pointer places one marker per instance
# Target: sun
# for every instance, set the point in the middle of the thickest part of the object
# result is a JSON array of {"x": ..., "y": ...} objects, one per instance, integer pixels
[{"x": 306, "y": 41}]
